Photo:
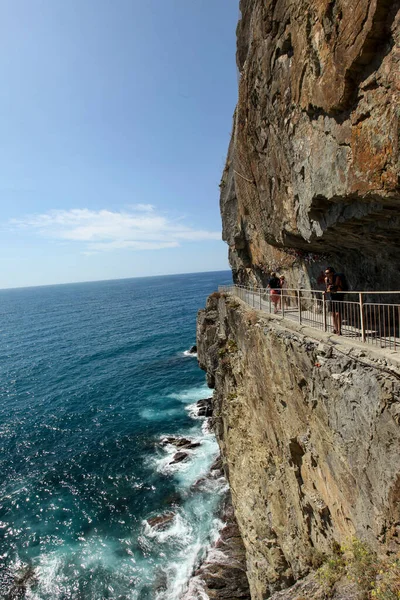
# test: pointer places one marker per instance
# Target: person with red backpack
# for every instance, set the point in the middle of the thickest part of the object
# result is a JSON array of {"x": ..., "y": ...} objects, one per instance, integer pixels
[
  {"x": 335, "y": 285},
  {"x": 274, "y": 286}
]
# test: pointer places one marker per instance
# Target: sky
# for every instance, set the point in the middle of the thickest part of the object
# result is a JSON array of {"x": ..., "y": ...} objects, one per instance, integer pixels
[{"x": 115, "y": 119}]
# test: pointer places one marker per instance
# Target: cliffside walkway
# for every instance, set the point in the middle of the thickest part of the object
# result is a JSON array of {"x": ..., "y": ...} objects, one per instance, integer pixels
[{"x": 369, "y": 317}]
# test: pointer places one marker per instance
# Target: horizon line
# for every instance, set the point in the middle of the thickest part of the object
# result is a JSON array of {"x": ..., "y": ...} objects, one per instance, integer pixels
[{"x": 40, "y": 285}]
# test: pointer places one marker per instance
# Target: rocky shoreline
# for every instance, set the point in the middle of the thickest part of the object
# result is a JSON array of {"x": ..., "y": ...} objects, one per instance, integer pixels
[{"x": 222, "y": 574}]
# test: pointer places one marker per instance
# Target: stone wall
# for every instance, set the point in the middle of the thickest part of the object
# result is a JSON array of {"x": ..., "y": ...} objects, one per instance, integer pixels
[{"x": 309, "y": 433}]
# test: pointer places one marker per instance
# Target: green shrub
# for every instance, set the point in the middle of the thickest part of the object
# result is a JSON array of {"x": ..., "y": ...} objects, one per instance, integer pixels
[
  {"x": 387, "y": 584},
  {"x": 232, "y": 346},
  {"x": 331, "y": 571},
  {"x": 376, "y": 579},
  {"x": 361, "y": 565}
]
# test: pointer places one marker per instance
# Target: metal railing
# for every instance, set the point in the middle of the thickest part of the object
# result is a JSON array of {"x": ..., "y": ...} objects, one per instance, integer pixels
[{"x": 361, "y": 316}]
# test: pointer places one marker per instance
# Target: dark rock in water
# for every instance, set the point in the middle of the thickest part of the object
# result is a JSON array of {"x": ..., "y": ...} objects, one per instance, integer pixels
[
  {"x": 223, "y": 578},
  {"x": 180, "y": 442},
  {"x": 179, "y": 457},
  {"x": 160, "y": 521},
  {"x": 175, "y": 441},
  {"x": 198, "y": 485},
  {"x": 193, "y": 350},
  {"x": 217, "y": 466},
  {"x": 204, "y": 407},
  {"x": 204, "y": 401},
  {"x": 25, "y": 577},
  {"x": 174, "y": 499},
  {"x": 161, "y": 581},
  {"x": 216, "y": 471},
  {"x": 192, "y": 445}
]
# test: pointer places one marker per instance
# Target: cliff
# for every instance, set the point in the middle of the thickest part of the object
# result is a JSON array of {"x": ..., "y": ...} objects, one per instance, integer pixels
[
  {"x": 309, "y": 433},
  {"x": 308, "y": 425},
  {"x": 312, "y": 172}
]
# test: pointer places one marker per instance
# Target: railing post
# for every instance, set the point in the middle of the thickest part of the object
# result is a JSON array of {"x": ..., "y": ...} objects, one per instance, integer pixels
[
  {"x": 362, "y": 322},
  {"x": 299, "y": 305},
  {"x": 282, "y": 303},
  {"x": 269, "y": 301},
  {"x": 324, "y": 310},
  {"x": 259, "y": 291}
]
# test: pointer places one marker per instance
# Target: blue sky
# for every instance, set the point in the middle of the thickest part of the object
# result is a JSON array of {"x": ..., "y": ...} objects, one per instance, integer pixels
[{"x": 115, "y": 119}]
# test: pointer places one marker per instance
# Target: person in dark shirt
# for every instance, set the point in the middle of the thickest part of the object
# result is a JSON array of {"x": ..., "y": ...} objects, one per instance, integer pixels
[
  {"x": 334, "y": 293},
  {"x": 275, "y": 290}
]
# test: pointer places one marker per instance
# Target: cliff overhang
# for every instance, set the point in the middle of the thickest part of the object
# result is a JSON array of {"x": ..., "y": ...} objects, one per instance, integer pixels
[{"x": 312, "y": 172}]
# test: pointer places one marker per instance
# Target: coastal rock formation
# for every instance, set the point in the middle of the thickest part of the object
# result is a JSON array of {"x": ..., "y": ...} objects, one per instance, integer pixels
[
  {"x": 180, "y": 442},
  {"x": 309, "y": 427},
  {"x": 309, "y": 433},
  {"x": 161, "y": 521},
  {"x": 204, "y": 407},
  {"x": 222, "y": 575},
  {"x": 312, "y": 172}
]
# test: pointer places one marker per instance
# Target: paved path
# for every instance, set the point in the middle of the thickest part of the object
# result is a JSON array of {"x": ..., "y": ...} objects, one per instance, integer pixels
[{"x": 313, "y": 316}]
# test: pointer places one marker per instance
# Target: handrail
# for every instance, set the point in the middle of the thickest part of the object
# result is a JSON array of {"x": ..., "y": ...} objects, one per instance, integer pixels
[
  {"x": 360, "y": 317},
  {"x": 313, "y": 290}
]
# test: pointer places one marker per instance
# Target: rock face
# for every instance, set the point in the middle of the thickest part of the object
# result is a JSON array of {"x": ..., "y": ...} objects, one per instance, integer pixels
[
  {"x": 309, "y": 434},
  {"x": 308, "y": 428},
  {"x": 312, "y": 172}
]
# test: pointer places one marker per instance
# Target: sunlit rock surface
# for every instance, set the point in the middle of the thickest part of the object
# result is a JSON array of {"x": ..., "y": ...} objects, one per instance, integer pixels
[
  {"x": 310, "y": 436},
  {"x": 312, "y": 173}
]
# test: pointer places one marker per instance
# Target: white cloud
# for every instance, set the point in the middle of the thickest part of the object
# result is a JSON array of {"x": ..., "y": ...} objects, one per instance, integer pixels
[
  {"x": 143, "y": 207},
  {"x": 137, "y": 228}
]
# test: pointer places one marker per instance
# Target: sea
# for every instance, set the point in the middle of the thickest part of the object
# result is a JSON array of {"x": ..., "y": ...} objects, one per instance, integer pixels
[{"x": 93, "y": 377}]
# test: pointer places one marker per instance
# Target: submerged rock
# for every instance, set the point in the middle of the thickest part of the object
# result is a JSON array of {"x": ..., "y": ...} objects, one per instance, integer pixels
[
  {"x": 180, "y": 442},
  {"x": 160, "y": 521},
  {"x": 193, "y": 350},
  {"x": 25, "y": 577},
  {"x": 160, "y": 582},
  {"x": 179, "y": 457}
]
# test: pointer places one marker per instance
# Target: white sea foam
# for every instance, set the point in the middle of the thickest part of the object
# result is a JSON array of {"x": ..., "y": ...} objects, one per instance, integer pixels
[
  {"x": 177, "y": 530},
  {"x": 190, "y": 533},
  {"x": 192, "y": 394},
  {"x": 199, "y": 464},
  {"x": 56, "y": 573},
  {"x": 155, "y": 414},
  {"x": 193, "y": 411},
  {"x": 181, "y": 571},
  {"x": 206, "y": 427},
  {"x": 190, "y": 354}
]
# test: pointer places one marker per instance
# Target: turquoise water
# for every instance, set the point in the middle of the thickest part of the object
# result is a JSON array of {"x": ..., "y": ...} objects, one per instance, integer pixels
[{"x": 92, "y": 377}]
